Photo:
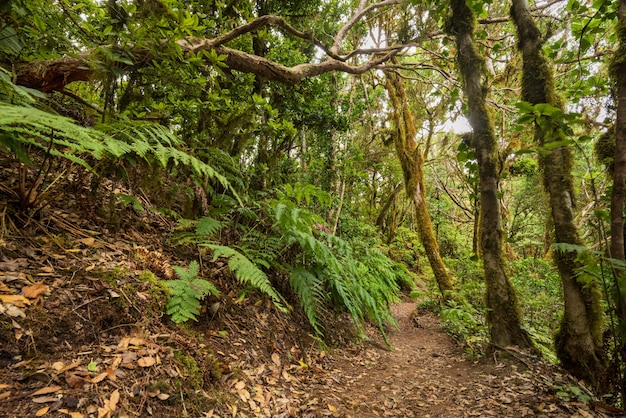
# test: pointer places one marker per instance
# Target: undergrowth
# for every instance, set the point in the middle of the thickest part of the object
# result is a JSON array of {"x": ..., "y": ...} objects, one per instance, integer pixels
[
  {"x": 538, "y": 288},
  {"x": 282, "y": 243}
]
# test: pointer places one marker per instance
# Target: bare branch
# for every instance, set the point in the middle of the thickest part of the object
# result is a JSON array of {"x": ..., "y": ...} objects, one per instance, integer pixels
[{"x": 361, "y": 11}]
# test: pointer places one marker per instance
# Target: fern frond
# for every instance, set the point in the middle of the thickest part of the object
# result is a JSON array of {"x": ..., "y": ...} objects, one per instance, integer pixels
[
  {"x": 310, "y": 290},
  {"x": 154, "y": 142},
  {"x": 248, "y": 273},
  {"x": 187, "y": 292},
  {"x": 43, "y": 130},
  {"x": 208, "y": 226}
]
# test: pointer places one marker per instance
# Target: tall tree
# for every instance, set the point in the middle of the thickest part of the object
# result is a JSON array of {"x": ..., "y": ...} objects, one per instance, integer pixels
[
  {"x": 503, "y": 312},
  {"x": 412, "y": 161},
  {"x": 578, "y": 342},
  {"x": 619, "y": 161}
]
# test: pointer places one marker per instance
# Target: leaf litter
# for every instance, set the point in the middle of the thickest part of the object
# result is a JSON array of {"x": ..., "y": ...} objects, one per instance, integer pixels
[{"x": 83, "y": 335}]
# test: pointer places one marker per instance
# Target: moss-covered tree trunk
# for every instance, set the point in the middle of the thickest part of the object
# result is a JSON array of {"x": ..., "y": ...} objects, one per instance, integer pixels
[
  {"x": 578, "y": 340},
  {"x": 619, "y": 162},
  {"x": 412, "y": 163},
  {"x": 503, "y": 313}
]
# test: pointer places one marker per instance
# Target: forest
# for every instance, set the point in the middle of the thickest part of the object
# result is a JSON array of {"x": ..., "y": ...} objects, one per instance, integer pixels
[{"x": 197, "y": 194}]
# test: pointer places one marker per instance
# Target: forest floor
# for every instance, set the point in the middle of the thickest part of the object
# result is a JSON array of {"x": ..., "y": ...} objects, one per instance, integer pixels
[{"x": 83, "y": 334}]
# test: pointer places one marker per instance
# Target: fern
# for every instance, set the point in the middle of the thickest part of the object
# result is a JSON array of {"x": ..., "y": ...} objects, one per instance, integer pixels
[
  {"x": 189, "y": 231},
  {"x": 23, "y": 126},
  {"x": 310, "y": 289},
  {"x": 187, "y": 292},
  {"x": 153, "y": 142},
  {"x": 248, "y": 273},
  {"x": 307, "y": 192},
  {"x": 364, "y": 285}
]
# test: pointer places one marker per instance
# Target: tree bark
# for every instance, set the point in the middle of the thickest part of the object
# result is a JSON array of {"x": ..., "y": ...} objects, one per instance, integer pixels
[
  {"x": 55, "y": 74},
  {"x": 578, "y": 341},
  {"x": 412, "y": 163},
  {"x": 503, "y": 313},
  {"x": 619, "y": 171}
]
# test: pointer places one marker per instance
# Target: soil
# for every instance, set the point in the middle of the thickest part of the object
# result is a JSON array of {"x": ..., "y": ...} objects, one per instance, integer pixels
[{"x": 83, "y": 334}]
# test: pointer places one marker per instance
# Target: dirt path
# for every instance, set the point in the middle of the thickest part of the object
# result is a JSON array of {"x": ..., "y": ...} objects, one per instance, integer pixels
[{"x": 426, "y": 376}]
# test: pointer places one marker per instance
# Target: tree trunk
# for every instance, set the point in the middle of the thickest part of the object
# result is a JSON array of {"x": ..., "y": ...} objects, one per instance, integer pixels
[
  {"x": 619, "y": 162},
  {"x": 503, "y": 313},
  {"x": 578, "y": 341},
  {"x": 412, "y": 162},
  {"x": 619, "y": 178}
]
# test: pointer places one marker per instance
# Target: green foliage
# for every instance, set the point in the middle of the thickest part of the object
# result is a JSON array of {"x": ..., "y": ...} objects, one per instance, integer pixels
[
  {"x": 466, "y": 323},
  {"x": 248, "y": 273},
  {"x": 187, "y": 292},
  {"x": 540, "y": 297},
  {"x": 363, "y": 285}
]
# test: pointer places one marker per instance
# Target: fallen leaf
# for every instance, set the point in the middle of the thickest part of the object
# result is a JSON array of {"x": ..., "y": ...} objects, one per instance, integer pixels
[
  {"x": 115, "y": 398},
  {"x": 240, "y": 385},
  {"x": 332, "y": 408},
  {"x": 4, "y": 386},
  {"x": 276, "y": 359},
  {"x": 76, "y": 415},
  {"x": 46, "y": 390},
  {"x": 146, "y": 361},
  {"x": 163, "y": 396},
  {"x": 13, "y": 265},
  {"x": 4, "y": 395},
  {"x": 45, "y": 399},
  {"x": 70, "y": 366},
  {"x": 17, "y": 300},
  {"x": 99, "y": 378},
  {"x": 43, "y": 411},
  {"x": 4, "y": 288},
  {"x": 57, "y": 366},
  {"x": 87, "y": 241},
  {"x": 12, "y": 311},
  {"x": 73, "y": 380},
  {"x": 33, "y": 291}
]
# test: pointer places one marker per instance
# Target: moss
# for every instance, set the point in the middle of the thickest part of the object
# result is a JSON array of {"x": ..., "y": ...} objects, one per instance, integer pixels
[
  {"x": 604, "y": 150},
  {"x": 194, "y": 377},
  {"x": 158, "y": 289}
]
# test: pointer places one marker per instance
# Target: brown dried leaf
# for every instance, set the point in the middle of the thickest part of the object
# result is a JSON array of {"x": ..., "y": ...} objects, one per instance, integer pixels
[
  {"x": 13, "y": 265},
  {"x": 42, "y": 411},
  {"x": 46, "y": 390},
  {"x": 73, "y": 380},
  {"x": 87, "y": 241},
  {"x": 71, "y": 366},
  {"x": 17, "y": 300},
  {"x": 45, "y": 399},
  {"x": 99, "y": 378},
  {"x": 4, "y": 288},
  {"x": 4, "y": 395},
  {"x": 12, "y": 311},
  {"x": 276, "y": 359},
  {"x": 33, "y": 291},
  {"x": 115, "y": 398},
  {"x": 146, "y": 361}
]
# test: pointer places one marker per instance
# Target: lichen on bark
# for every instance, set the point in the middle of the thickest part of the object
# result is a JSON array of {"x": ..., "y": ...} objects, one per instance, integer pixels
[
  {"x": 579, "y": 338},
  {"x": 503, "y": 314}
]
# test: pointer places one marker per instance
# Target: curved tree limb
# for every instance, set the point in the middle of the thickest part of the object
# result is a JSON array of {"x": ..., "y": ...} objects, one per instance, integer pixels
[{"x": 55, "y": 74}]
